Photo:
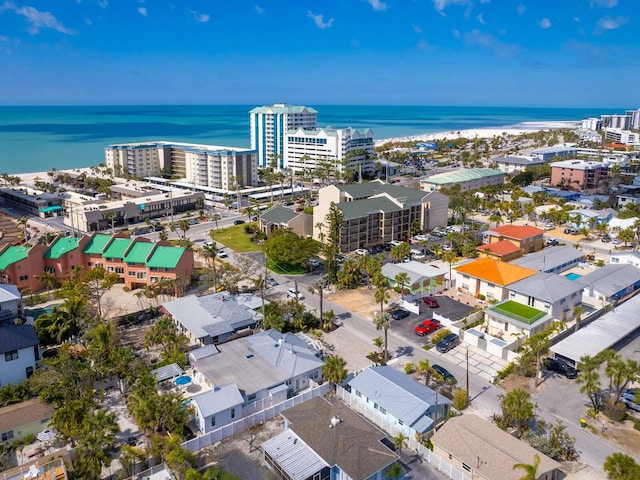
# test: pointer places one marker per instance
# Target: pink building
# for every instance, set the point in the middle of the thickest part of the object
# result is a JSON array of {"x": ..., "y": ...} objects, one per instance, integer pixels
[{"x": 578, "y": 174}]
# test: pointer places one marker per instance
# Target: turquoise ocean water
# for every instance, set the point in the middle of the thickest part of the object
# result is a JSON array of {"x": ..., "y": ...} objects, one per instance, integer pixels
[{"x": 34, "y": 139}]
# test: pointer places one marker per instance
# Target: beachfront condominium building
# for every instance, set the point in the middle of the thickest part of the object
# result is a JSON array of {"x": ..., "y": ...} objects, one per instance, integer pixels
[
  {"x": 348, "y": 148},
  {"x": 270, "y": 125},
  {"x": 578, "y": 174},
  {"x": 202, "y": 165},
  {"x": 626, "y": 137},
  {"x": 376, "y": 213}
]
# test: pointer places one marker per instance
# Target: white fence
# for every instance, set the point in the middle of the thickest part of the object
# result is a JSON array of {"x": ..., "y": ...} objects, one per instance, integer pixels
[
  {"x": 393, "y": 430},
  {"x": 253, "y": 419}
]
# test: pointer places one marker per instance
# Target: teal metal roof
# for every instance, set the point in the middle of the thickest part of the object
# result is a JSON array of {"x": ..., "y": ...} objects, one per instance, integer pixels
[
  {"x": 12, "y": 255},
  {"x": 165, "y": 257},
  {"x": 138, "y": 252},
  {"x": 279, "y": 215},
  {"x": 117, "y": 248},
  {"x": 61, "y": 246},
  {"x": 361, "y": 208},
  {"x": 96, "y": 244}
]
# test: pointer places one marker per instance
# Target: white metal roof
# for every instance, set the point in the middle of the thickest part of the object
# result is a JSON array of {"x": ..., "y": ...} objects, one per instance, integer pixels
[
  {"x": 601, "y": 333},
  {"x": 293, "y": 455}
]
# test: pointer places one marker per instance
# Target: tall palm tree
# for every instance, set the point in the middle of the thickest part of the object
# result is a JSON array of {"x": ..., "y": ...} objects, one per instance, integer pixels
[
  {"x": 403, "y": 280},
  {"x": 334, "y": 369},
  {"x": 382, "y": 321},
  {"x": 531, "y": 471},
  {"x": 381, "y": 296},
  {"x": 589, "y": 382},
  {"x": 319, "y": 286},
  {"x": 424, "y": 369}
]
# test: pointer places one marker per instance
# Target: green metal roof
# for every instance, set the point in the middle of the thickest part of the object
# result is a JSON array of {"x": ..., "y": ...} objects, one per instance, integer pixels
[
  {"x": 165, "y": 257},
  {"x": 278, "y": 215},
  {"x": 61, "y": 246},
  {"x": 117, "y": 248},
  {"x": 462, "y": 176},
  {"x": 138, "y": 252},
  {"x": 369, "y": 189},
  {"x": 12, "y": 255},
  {"x": 361, "y": 208},
  {"x": 96, "y": 244}
]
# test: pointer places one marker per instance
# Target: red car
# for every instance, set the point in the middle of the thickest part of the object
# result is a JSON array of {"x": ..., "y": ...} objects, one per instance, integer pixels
[
  {"x": 427, "y": 326},
  {"x": 430, "y": 302}
]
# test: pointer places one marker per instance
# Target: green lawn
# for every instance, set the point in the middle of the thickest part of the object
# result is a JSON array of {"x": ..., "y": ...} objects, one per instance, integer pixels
[
  {"x": 285, "y": 269},
  {"x": 236, "y": 239},
  {"x": 517, "y": 311}
]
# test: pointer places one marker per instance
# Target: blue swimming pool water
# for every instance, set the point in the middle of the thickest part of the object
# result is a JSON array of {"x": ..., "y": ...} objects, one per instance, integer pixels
[
  {"x": 572, "y": 276},
  {"x": 36, "y": 312}
]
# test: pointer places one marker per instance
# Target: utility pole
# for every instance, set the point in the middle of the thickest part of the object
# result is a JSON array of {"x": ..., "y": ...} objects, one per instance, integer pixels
[{"x": 467, "y": 374}]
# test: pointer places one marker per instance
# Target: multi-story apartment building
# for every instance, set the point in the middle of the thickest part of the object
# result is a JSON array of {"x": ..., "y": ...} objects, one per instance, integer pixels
[
  {"x": 627, "y": 137},
  {"x": 138, "y": 261},
  {"x": 548, "y": 153},
  {"x": 375, "y": 213},
  {"x": 270, "y": 125},
  {"x": 578, "y": 174},
  {"x": 352, "y": 149},
  {"x": 204, "y": 165},
  {"x": 468, "y": 179}
]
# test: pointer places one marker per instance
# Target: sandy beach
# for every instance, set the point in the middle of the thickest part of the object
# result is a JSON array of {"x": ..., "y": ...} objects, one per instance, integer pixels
[{"x": 486, "y": 132}]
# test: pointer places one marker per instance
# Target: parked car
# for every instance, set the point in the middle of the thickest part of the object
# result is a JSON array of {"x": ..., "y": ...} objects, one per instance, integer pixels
[
  {"x": 448, "y": 342},
  {"x": 400, "y": 313},
  {"x": 293, "y": 293},
  {"x": 193, "y": 221},
  {"x": 222, "y": 254},
  {"x": 208, "y": 243},
  {"x": 559, "y": 366},
  {"x": 362, "y": 251},
  {"x": 406, "y": 259},
  {"x": 552, "y": 242},
  {"x": 421, "y": 238},
  {"x": 340, "y": 259},
  {"x": 376, "y": 249},
  {"x": 314, "y": 263},
  {"x": 606, "y": 239},
  {"x": 549, "y": 226},
  {"x": 288, "y": 204},
  {"x": 426, "y": 327},
  {"x": 616, "y": 241},
  {"x": 238, "y": 222},
  {"x": 630, "y": 398},
  {"x": 430, "y": 302},
  {"x": 271, "y": 281},
  {"x": 418, "y": 255},
  {"x": 571, "y": 230},
  {"x": 444, "y": 373}
]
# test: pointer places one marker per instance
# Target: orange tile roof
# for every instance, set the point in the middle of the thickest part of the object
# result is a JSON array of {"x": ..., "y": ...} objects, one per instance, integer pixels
[
  {"x": 503, "y": 247},
  {"x": 517, "y": 231},
  {"x": 495, "y": 271}
]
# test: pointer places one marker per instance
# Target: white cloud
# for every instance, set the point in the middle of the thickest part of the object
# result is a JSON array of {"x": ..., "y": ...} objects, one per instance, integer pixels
[
  {"x": 3, "y": 38},
  {"x": 377, "y": 4},
  {"x": 480, "y": 19},
  {"x": 200, "y": 17},
  {"x": 142, "y": 11},
  {"x": 608, "y": 23},
  {"x": 259, "y": 9},
  {"x": 603, "y": 3},
  {"x": 456, "y": 33},
  {"x": 88, "y": 21},
  {"x": 417, "y": 29},
  {"x": 576, "y": 19},
  {"x": 36, "y": 18},
  {"x": 521, "y": 9},
  {"x": 544, "y": 24},
  {"x": 319, "y": 20},
  {"x": 476, "y": 37},
  {"x": 440, "y": 5}
]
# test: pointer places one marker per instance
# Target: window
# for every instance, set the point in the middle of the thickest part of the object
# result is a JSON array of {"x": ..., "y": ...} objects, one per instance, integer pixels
[
  {"x": 233, "y": 413},
  {"x": 7, "y": 435},
  {"x": 13, "y": 355},
  {"x": 213, "y": 421},
  {"x": 24, "y": 277},
  {"x": 466, "y": 467},
  {"x": 29, "y": 371},
  {"x": 383, "y": 411},
  {"x": 251, "y": 397}
]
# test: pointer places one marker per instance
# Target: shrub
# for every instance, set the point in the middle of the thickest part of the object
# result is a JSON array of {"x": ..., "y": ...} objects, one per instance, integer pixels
[
  {"x": 504, "y": 373},
  {"x": 481, "y": 296},
  {"x": 126, "y": 289},
  {"x": 460, "y": 399},
  {"x": 439, "y": 335},
  {"x": 409, "y": 368},
  {"x": 616, "y": 411}
]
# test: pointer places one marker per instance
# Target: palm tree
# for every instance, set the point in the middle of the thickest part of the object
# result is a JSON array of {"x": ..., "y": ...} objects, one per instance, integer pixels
[
  {"x": 578, "y": 310},
  {"x": 424, "y": 368},
  {"x": 403, "y": 280},
  {"x": 381, "y": 296},
  {"x": 382, "y": 321},
  {"x": 400, "y": 441},
  {"x": 319, "y": 286},
  {"x": 49, "y": 280},
  {"x": 334, "y": 369},
  {"x": 590, "y": 385},
  {"x": 23, "y": 222},
  {"x": 531, "y": 471}
]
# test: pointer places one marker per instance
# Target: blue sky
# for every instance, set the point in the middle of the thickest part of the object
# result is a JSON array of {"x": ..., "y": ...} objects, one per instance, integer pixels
[{"x": 545, "y": 53}]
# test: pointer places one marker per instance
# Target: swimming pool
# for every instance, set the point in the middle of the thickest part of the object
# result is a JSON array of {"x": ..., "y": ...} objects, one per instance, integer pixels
[
  {"x": 573, "y": 276},
  {"x": 36, "y": 312}
]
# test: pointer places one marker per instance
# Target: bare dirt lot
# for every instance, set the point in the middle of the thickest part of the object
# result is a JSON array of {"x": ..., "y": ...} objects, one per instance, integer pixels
[{"x": 360, "y": 301}]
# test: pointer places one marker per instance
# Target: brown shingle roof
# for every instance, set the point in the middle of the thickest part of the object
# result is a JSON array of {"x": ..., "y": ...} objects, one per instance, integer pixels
[
  {"x": 22, "y": 413},
  {"x": 487, "y": 449},
  {"x": 354, "y": 444}
]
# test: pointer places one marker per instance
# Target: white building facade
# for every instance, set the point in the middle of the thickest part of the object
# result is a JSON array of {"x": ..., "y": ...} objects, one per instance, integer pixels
[{"x": 269, "y": 127}]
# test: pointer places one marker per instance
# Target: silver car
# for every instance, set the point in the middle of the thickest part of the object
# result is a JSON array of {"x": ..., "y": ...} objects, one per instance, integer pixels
[{"x": 631, "y": 399}]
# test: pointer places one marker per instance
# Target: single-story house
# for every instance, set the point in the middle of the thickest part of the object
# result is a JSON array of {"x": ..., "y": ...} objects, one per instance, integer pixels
[
  {"x": 513, "y": 321},
  {"x": 617, "y": 224},
  {"x": 278, "y": 217},
  {"x": 626, "y": 257},
  {"x": 401, "y": 402},
  {"x": 268, "y": 364},
  {"x": 552, "y": 259},
  {"x": 486, "y": 452},
  {"x": 609, "y": 283},
  {"x": 423, "y": 277},
  {"x": 489, "y": 277},
  {"x": 214, "y": 318},
  {"x": 548, "y": 292},
  {"x": 24, "y": 418},
  {"x": 324, "y": 440},
  {"x": 589, "y": 218}
]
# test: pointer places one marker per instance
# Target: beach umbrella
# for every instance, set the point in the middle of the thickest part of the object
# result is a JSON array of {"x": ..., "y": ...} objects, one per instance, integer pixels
[
  {"x": 183, "y": 380},
  {"x": 46, "y": 435}
]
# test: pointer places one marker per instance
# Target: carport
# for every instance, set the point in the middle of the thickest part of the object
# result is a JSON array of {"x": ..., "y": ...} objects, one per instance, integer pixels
[{"x": 601, "y": 334}]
